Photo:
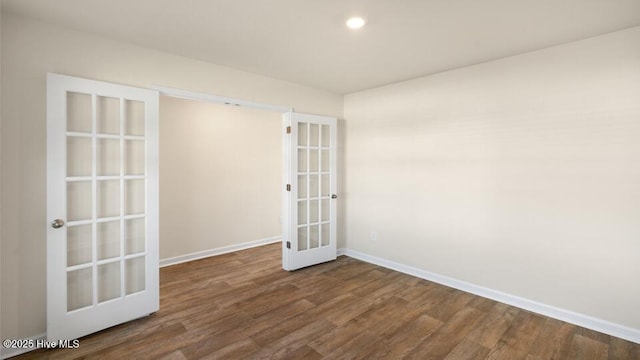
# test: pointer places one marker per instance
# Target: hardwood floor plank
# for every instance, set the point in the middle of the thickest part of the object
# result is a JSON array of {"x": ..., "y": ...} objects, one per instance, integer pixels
[
  {"x": 417, "y": 291},
  {"x": 237, "y": 350},
  {"x": 269, "y": 299},
  {"x": 242, "y": 305},
  {"x": 468, "y": 350},
  {"x": 621, "y": 349},
  {"x": 594, "y": 335},
  {"x": 265, "y": 321},
  {"x": 293, "y": 340},
  {"x": 524, "y": 330},
  {"x": 347, "y": 307},
  {"x": 303, "y": 352},
  {"x": 495, "y": 324},
  {"x": 455, "y": 302},
  {"x": 519, "y": 337},
  {"x": 586, "y": 348},
  {"x": 403, "y": 341},
  {"x": 482, "y": 304},
  {"x": 352, "y": 347},
  {"x": 375, "y": 289},
  {"x": 554, "y": 341},
  {"x": 439, "y": 344},
  {"x": 335, "y": 287},
  {"x": 176, "y": 355},
  {"x": 373, "y": 317}
]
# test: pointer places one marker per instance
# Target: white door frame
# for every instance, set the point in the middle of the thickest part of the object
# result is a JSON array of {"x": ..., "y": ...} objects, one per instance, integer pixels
[{"x": 190, "y": 95}]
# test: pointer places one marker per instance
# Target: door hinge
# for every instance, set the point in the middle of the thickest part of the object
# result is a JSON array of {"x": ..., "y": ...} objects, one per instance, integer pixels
[
  {"x": 288, "y": 187},
  {"x": 288, "y": 244},
  {"x": 288, "y": 129}
]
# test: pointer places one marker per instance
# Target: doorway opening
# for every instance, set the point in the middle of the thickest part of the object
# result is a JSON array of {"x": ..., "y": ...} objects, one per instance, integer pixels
[{"x": 221, "y": 170}]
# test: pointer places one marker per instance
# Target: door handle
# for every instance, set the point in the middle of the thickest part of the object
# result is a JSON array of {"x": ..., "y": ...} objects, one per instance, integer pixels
[
  {"x": 334, "y": 196},
  {"x": 57, "y": 223}
]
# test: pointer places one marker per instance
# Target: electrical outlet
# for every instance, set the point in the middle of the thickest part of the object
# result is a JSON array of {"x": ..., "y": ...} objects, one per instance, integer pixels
[{"x": 374, "y": 236}]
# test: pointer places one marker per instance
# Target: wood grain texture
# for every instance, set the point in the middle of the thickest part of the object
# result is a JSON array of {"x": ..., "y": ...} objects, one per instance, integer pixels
[{"x": 242, "y": 305}]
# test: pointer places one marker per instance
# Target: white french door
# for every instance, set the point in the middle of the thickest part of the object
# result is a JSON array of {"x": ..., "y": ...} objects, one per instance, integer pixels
[
  {"x": 102, "y": 205},
  {"x": 310, "y": 173}
]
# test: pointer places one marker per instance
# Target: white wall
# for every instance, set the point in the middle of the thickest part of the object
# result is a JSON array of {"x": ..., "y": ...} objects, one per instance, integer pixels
[
  {"x": 30, "y": 50},
  {"x": 220, "y": 176},
  {"x": 521, "y": 175}
]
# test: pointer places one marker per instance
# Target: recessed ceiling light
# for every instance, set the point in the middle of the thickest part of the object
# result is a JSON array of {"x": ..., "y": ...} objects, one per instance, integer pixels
[{"x": 355, "y": 22}]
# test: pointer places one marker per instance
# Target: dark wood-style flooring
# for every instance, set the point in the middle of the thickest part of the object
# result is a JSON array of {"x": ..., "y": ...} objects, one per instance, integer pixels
[{"x": 242, "y": 305}]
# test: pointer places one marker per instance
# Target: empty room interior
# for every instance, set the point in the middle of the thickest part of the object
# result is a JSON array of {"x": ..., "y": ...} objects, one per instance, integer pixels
[{"x": 355, "y": 179}]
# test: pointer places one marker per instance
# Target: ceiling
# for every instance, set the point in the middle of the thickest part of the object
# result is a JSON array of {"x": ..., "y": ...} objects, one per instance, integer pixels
[{"x": 306, "y": 42}]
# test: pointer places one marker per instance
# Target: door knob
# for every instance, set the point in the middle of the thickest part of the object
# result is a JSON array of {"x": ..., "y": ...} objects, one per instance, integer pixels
[
  {"x": 334, "y": 196},
  {"x": 57, "y": 223}
]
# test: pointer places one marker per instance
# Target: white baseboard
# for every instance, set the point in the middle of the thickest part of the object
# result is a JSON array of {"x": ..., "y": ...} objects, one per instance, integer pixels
[
  {"x": 582, "y": 320},
  {"x": 7, "y": 353},
  {"x": 218, "y": 251}
]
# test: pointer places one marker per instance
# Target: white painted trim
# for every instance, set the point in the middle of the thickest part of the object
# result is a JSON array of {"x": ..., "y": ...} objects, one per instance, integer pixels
[
  {"x": 582, "y": 320},
  {"x": 185, "y": 94},
  {"x": 7, "y": 353},
  {"x": 286, "y": 195},
  {"x": 218, "y": 251}
]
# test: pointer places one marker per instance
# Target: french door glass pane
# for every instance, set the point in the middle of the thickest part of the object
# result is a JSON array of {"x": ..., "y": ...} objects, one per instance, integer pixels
[
  {"x": 135, "y": 242},
  {"x": 108, "y": 157},
  {"x": 326, "y": 139},
  {"x": 314, "y": 235},
  {"x": 79, "y": 113},
  {"x": 135, "y": 275},
  {"x": 79, "y": 250},
  {"x": 108, "y": 281},
  {"x": 313, "y": 186},
  {"x": 79, "y": 156},
  {"x": 325, "y": 185},
  {"x": 313, "y": 211},
  {"x": 108, "y": 115},
  {"x": 314, "y": 135},
  {"x": 134, "y": 157},
  {"x": 79, "y": 288},
  {"x": 108, "y": 240},
  {"x": 79, "y": 197},
  {"x": 302, "y": 186},
  {"x": 302, "y": 212},
  {"x": 302, "y": 134},
  {"x": 302, "y": 160},
  {"x": 313, "y": 160},
  {"x": 108, "y": 198},
  {"x": 325, "y": 161},
  {"x": 302, "y": 238},
  {"x": 325, "y": 229},
  {"x": 324, "y": 210},
  {"x": 135, "y": 119},
  {"x": 134, "y": 197}
]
